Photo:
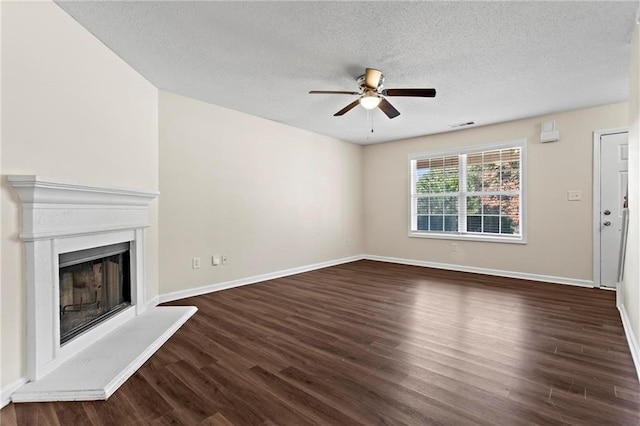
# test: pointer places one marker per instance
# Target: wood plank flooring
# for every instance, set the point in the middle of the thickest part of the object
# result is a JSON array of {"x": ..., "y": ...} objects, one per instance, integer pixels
[{"x": 371, "y": 343}]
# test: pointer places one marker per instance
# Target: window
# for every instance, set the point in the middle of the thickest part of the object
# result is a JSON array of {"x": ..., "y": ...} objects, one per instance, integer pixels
[{"x": 474, "y": 193}]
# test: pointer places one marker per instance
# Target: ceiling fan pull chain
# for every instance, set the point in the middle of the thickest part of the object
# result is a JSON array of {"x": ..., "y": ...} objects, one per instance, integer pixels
[{"x": 369, "y": 117}]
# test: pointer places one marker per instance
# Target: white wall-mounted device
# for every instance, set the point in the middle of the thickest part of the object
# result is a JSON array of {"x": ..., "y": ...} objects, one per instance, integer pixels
[{"x": 548, "y": 132}]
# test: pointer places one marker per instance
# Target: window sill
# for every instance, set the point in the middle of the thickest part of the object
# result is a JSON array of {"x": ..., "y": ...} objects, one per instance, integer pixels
[{"x": 469, "y": 237}]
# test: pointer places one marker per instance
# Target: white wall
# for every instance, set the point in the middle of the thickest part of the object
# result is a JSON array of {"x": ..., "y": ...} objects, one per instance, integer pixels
[
  {"x": 631, "y": 282},
  {"x": 559, "y": 232},
  {"x": 71, "y": 109},
  {"x": 269, "y": 196}
]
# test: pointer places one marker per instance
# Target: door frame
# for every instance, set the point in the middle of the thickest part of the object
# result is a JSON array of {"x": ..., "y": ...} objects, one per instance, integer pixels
[{"x": 596, "y": 199}]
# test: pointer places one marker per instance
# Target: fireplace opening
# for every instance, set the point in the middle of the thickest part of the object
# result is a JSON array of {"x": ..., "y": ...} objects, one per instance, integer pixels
[{"x": 94, "y": 285}]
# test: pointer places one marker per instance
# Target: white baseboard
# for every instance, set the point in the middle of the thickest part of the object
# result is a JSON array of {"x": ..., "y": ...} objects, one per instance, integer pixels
[
  {"x": 5, "y": 393},
  {"x": 152, "y": 303},
  {"x": 484, "y": 271},
  {"x": 619, "y": 294},
  {"x": 631, "y": 339},
  {"x": 183, "y": 294}
]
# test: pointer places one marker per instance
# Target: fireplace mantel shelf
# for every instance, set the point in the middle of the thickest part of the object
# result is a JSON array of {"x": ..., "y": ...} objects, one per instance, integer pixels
[
  {"x": 57, "y": 208},
  {"x": 97, "y": 371}
]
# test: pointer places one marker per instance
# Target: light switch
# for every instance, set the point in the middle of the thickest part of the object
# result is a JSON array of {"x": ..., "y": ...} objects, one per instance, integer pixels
[{"x": 574, "y": 195}]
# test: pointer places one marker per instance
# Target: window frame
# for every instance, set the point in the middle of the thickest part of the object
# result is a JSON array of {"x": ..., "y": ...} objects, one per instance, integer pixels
[{"x": 463, "y": 235}]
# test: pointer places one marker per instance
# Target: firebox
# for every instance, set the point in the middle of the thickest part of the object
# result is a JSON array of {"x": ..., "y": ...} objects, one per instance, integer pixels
[{"x": 94, "y": 285}]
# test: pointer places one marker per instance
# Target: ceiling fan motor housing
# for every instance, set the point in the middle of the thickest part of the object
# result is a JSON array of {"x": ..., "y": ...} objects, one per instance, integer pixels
[{"x": 363, "y": 87}]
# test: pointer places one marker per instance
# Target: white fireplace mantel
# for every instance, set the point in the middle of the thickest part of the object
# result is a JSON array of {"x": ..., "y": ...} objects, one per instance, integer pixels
[
  {"x": 59, "y": 217},
  {"x": 56, "y": 208}
]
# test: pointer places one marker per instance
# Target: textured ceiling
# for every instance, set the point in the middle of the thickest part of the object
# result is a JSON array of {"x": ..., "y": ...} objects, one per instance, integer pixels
[{"x": 489, "y": 61}]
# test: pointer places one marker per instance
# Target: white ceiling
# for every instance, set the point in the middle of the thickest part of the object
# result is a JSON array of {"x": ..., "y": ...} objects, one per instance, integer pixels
[{"x": 489, "y": 61}]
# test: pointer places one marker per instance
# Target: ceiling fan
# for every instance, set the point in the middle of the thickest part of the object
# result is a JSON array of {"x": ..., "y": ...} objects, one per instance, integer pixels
[{"x": 372, "y": 95}]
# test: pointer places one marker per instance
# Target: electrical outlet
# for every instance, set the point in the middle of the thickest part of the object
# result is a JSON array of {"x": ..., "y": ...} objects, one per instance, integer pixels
[
  {"x": 454, "y": 246},
  {"x": 224, "y": 259},
  {"x": 195, "y": 263},
  {"x": 215, "y": 259}
]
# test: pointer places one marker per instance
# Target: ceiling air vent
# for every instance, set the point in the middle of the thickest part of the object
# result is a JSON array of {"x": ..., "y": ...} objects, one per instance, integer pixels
[{"x": 468, "y": 123}]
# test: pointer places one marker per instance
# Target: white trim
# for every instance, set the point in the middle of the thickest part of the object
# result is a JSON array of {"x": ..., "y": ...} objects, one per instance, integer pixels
[
  {"x": 152, "y": 303},
  {"x": 40, "y": 189},
  {"x": 619, "y": 293},
  {"x": 5, "y": 393},
  {"x": 462, "y": 234},
  {"x": 467, "y": 237},
  {"x": 595, "y": 209},
  {"x": 27, "y": 237},
  {"x": 462, "y": 208},
  {"x": 484, "y": 271},
  {"x": 631, "y": 339},
  {"x": 597, "y": 142},
  {"x": 183, "y": 294},
  {"x": 55, "y": 208}
]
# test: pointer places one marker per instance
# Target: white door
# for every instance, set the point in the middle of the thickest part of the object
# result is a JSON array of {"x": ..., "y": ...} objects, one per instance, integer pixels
[{"x": 614, "y": 153}]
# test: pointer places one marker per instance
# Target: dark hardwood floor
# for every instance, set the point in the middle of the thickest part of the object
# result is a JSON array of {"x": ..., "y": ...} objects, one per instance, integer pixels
[{"x": 371, "y": 343}]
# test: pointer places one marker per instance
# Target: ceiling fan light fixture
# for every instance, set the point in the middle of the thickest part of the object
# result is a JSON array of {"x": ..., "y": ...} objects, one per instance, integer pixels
[
  {"x": 370, "y": 101},
  {"x": 372, "y": 95}
]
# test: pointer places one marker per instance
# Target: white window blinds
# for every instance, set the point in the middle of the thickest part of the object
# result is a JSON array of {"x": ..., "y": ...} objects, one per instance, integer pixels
[{"x": 472, "y": 192}]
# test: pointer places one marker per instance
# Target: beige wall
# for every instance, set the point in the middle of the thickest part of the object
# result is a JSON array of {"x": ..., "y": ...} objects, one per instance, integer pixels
[
  {"x": 71, "y": 109},
  {"x": 559, "y": 232},
  {"x": 269, "y": 196},
  {"x": 631, "y": 282}
]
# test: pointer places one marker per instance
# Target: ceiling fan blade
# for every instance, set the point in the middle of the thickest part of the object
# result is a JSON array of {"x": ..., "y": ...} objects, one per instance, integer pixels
[
  {"x": 348, "y": 108},
  {"x": 388, "y": 109},
  {"x": 332, "y": 92},
  {"x": 372, "y": 78},
  {"x": 424, "y": 93}
]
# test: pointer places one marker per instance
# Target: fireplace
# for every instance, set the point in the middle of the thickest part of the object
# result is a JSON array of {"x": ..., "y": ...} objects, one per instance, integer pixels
[
  {"x": 94, "y": 284},
  {"x": 90, "y": 323},
  {"x": 65, "y": 224}
]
